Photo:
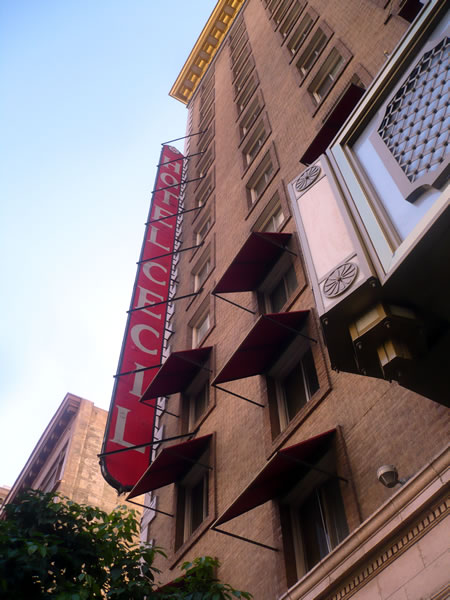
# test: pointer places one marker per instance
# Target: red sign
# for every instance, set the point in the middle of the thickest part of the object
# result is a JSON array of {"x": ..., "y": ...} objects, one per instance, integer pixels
[{"x": 130, "y": 422}]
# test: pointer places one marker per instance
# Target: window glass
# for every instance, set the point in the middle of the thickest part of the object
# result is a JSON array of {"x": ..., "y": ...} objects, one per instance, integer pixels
[
  {"x": 327, "y": 76},
  {"x": 322, "y": 523},
  {"x": 299, "y": 35},
  {"x": 199, "y": 331},
  {"x": 311, "y": 52},
  {"x": 290, "y": 19}
]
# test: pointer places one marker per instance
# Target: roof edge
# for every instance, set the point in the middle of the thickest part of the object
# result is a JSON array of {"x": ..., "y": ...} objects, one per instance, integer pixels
[{"x": 205, "y": 48}]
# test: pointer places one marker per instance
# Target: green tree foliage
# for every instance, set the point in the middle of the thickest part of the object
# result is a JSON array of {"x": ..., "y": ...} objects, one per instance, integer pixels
[{"x": 51, "y": 547}]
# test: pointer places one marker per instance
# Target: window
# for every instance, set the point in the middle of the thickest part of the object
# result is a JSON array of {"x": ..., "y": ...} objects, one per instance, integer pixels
[
  {"x": 196, "y": 401},
  {"x": 261, "y": 178},
  {"x": 255, "y": 142},
  {"x": 327, "y": 75},
  {"x": 289, "y": 21},
  {"x": 200, "y": 329},
  {"x": 200, "y": 273},
  {"x": 280, "y": 293},
  {"x": 205, "y": 161},
  {"x": 202, "y": 229},
  {"x": 281, "y": 11},
  {"x": 192, "y": 501},
  {"x": 272, "y": 217},
  {"x": 274, "y": 221},
  {"x": 204, "y": 191},
  {"x": 243, "y": 76},
  {"x": 294, "y": 389},
  {"x": 206, "y": 117},
  {"x": 312, "y": 52},
  {"x": 271, "y": 5},
  {"x": 299, "y": 35},
  {"x": 238, "y": 49},
  {"x": 247, "y": 92},
  {"x": 250, "y": 115},
  {"x": 313, "y": 519},
  {"x": 241, "y": 61},
  {"x": 54, "y": 475}
]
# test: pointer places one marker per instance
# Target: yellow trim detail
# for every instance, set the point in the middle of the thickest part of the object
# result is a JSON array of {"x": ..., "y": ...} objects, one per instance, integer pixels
[{"x": 206, "y": 46}]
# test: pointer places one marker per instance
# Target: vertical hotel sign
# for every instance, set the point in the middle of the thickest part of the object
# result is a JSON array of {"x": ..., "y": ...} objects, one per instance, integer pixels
[{"x": 130, "y": 422}]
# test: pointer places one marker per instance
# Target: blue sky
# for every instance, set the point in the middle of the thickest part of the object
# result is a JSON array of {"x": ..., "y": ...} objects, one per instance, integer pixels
[{"x": 84, "y": 107}]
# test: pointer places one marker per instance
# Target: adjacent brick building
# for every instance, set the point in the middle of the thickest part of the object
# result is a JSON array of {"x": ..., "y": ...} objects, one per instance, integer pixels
[
  {"x": 65, "y": 459},
  {"x": 321, "y": 306}
]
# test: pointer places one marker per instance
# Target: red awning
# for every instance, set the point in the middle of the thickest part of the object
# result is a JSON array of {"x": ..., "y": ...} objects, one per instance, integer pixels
[
  {"x": 177, "y": 372},
  {"x": 253, "y": 262},
  {"x": 170, "y": 465},
  {"x": 279, "y": 475},
  {"x": 269, "y": 337},
  {"x": 333, "y": 123}
]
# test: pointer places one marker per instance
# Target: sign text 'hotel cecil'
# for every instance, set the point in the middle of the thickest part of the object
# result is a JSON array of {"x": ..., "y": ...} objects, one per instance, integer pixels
[{"x": 130, "y": 422}]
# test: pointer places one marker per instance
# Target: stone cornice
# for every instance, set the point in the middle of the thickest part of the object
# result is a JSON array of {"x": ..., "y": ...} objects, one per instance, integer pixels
[{"x": 202, "y": 54}]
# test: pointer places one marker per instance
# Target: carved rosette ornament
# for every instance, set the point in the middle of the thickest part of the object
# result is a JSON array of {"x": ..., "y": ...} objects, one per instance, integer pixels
[
  {"x": 307, "y": 178},
  {"x": 340, "y": 280}
]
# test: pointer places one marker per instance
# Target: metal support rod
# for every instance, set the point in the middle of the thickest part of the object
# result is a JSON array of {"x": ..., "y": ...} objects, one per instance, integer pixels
[
  {"x": 182, "y": 182},
  {"x": 137, "y": 370},
  {"x": 259, "y": 234},
  {"x": 313, "y": 467},
  {"x": 196, "y": 364},
  {"x": 150, "y": 508},
  {"x": 191, "y": 460},
  {"x": 165, "y": 301},
  {"x": 184, "y": 137},
  {"x": 163, "y": 410},
  {"x": 234, "y": 303},
  {"x": 175, "y": 214},
  {"x": 244, "y": 539},
  {"x": 152, "y": 443},
  {"x": 296, "y": 331},
  {"x": 169, "y": 253},
  {"x": 237, "y": 395},
  {"x": 181, "y": 158}
]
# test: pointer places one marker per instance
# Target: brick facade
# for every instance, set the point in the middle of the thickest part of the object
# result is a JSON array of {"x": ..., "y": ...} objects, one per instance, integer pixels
[{"x": 376, "y": 422}]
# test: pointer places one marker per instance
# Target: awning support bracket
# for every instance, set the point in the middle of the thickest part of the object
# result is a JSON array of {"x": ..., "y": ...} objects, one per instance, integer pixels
[
  {"x": 184, "y": 137},
  {"x": 182, "y": 182},
  {"x": 244, "y": 539},
  {"x": 190, "y": 460},
  {"x": 237, "y": 395},
  {"x": 151, "y": 508},
  {"x": 234, "y": 303},
  {"x": 187, "y": 157},
  {"x": 137, "y": 370},
  {"x": 314, "y": 467},
  {"x": 165, "y": 301},
  {"x": 296, "y": 331},
  {"x": 152, "y": 443},
  {"x": 261, "y": 234},
  {"x": 163, "y": 410},
  {"x": 170, "y": 253},
  {"x": 181, "y": 212}
]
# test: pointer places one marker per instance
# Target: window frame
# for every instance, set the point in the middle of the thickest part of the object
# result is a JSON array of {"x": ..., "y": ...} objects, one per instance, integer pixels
[
  {"x": 250, "y": 116},
  {"x": 185, "y": 534},
  {"x": 245, "y": 95},
  {"x": 255, "y": 141},
  {"x": 277, "y": 199},
  {"x": 313, "y": 50},
  {"x": 303, "y": 34},
  {"x": 292, "y": 16},
  {"x": 344, "y": 56},
  {"x": 325, "y": 487},
  {"x": 253, "y": 197}
]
